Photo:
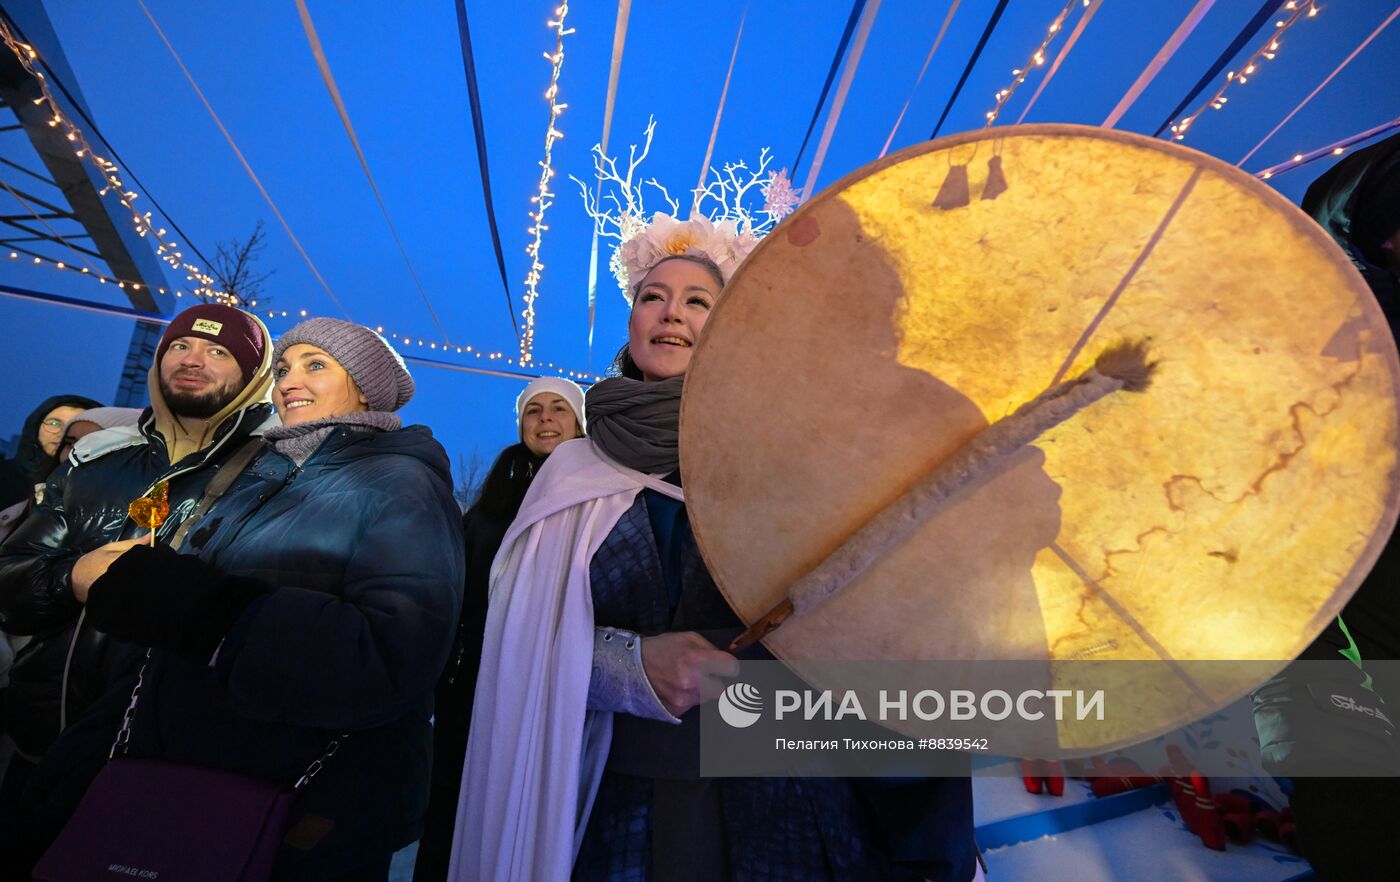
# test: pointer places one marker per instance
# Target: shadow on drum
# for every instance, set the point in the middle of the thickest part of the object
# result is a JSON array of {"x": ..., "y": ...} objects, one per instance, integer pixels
[{"x": 854, "y": 429}]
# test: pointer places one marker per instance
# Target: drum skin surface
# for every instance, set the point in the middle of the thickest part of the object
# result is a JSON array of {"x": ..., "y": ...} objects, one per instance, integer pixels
[{"x": 1228, "y": 512}]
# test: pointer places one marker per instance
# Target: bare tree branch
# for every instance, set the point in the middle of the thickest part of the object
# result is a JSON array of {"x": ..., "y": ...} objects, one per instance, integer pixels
[
  {"x": 470, "y": 475},
  {"x": 235, "y": 268}
]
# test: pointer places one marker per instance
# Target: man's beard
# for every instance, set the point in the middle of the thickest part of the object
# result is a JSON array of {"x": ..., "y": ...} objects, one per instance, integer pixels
[{"x": 197, "y": 405}]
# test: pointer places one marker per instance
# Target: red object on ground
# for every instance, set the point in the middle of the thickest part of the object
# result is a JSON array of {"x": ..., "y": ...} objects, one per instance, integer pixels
[
  {"x": 1211, "y": 827},
  {"x": 1044, "y": 775},
  {"x": 1185, "y": 797},
  {"x": 1237, "y": 812},
  {"x": 1030, "y": 776},
  {"x": 1054, "y": 778},
  {"x": 1180, "y": 764}
]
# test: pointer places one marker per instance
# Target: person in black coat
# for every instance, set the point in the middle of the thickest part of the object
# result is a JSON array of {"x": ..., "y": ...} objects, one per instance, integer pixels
[
  {"x": 208, "y": 399},
  {"x": 1345, "y": 824},
  {"x": 38, "y": 444},
  {"x": 208, "y": 384},
  {"x": 548, "y": 412},
  {"x": 20, "y": 481},
  {"x": 315, "y": 606}
]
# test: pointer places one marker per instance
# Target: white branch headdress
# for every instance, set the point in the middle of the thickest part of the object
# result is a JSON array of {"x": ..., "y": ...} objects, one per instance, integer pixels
[{"x": 721, "y": 227}]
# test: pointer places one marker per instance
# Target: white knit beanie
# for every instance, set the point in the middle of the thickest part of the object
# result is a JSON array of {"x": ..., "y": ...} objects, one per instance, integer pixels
[{"x": 565, "y": 389}]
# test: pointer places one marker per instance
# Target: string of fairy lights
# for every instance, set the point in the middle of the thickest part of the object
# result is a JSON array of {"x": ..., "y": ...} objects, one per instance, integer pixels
[
  {"x": 171, "y": 251},
  {"x": 487, "y": 355},
  {"x": 1336, "y": 148},
  {"x": 1036, "y": 60},
  {"x": 43, "y": 260},
  {"x": 87, "y": 269},
  {"x": 543, "y": 196},
  {"x": 1267, "y": 51},
  {"x": 296, "y": 314},
  {"x": 167, "y": 249},
  {"x": 23, "y": 256}
]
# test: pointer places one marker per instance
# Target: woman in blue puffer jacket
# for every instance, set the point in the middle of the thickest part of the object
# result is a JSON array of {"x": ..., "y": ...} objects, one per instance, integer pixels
[{"x": 316, "y": 602}]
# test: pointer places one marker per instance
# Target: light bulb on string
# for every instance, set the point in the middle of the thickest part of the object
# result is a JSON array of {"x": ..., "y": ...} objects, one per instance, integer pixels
[
  {"x": 1037, "y": 59},
  {"x": 537, "y": 228},
  {"x": 171, "y": 252},
  {"x": 26, "y": 55},
  {"x": 1266, "y": 52}
]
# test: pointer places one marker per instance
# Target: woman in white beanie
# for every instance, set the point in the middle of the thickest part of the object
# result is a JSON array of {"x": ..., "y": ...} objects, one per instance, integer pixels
[{"x": 548, "y": 412}]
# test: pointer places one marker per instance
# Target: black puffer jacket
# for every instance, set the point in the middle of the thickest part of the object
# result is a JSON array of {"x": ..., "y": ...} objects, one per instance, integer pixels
[
  {"x": 85, "y": 506},
  {"x": 361, "y": 547}
]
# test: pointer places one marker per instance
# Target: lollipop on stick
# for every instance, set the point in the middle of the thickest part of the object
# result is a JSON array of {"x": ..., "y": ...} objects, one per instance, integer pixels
[{"x": 151, "y": 510}]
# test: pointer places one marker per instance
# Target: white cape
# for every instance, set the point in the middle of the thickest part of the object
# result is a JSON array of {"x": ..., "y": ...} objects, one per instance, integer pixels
[{"x": 535, "y": 753}]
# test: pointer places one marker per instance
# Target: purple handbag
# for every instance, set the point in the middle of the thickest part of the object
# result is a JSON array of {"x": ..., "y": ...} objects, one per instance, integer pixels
[
  {"x": 145, "y": 819},
  {"x": 148, "y": 819}
]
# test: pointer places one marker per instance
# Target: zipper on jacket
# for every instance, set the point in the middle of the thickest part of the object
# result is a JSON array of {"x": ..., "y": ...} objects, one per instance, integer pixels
[{"x": 459, "y": 650}]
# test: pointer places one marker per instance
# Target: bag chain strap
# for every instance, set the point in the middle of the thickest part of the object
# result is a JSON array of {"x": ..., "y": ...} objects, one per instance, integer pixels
[
  {"x": 318, "y": 764},
  {"x": 124, "y": 734}
]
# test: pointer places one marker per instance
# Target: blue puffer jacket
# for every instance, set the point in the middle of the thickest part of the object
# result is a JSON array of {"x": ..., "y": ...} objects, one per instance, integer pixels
[{"x": 363, "y": 546}]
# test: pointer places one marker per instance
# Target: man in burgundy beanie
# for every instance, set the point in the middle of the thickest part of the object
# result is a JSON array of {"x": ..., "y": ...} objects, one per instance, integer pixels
[
  {"x": 208, "y": 385},
  {"x": 204, "y": 373}
]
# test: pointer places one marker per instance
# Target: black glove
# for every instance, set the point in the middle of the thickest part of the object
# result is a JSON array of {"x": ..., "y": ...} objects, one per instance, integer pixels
[{"x": 160, "y": 598}]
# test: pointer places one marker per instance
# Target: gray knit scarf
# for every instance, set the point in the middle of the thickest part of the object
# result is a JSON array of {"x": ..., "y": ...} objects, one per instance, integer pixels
[
  {"x": 637, "y": 423},
  {"x": 298, "y": 442}
]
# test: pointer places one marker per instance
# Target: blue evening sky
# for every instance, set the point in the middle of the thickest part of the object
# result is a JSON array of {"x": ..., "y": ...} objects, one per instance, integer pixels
[{"x": 399, "y": 69}]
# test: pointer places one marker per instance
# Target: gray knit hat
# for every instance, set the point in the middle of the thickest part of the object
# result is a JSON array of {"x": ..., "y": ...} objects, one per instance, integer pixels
[{"x": 367, "y": 357}]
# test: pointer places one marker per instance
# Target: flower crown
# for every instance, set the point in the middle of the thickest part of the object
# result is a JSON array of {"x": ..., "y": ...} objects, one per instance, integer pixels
[{"x": 720, "y": 227}]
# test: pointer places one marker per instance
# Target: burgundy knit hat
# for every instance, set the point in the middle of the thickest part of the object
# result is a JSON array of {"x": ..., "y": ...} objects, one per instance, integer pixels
[{"x": 235, "y": 330}]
